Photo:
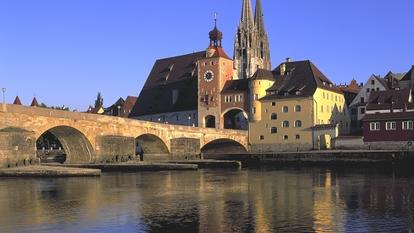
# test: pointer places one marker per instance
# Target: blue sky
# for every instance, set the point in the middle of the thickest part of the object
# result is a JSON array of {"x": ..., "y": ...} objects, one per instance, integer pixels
[{"x": 65, "y": 51}]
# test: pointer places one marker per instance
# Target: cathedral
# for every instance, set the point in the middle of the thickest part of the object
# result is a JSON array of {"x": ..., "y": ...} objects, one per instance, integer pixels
[
  {"x": 208, "y": 88},
  {"x": 293, "y": 107}
]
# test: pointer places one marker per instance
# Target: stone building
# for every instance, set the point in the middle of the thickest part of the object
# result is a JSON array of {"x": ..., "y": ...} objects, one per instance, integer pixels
[
  {"x": 251, "y": 43},
  {"x": 207, "y": 88},
  {"x": 301, "y": 110}
]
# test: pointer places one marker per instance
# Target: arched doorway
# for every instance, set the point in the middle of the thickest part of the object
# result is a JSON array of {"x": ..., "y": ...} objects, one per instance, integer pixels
[
  {"x": 210, "y": 121},
  {"x": 151, "y": 147},
  {"x": 64, "y": 144},
  {"x": 235, "y": 119}
]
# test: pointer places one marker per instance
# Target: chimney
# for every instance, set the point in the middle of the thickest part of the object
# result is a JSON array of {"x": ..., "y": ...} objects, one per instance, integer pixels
[
  {"x": 288, "y": 59},
  {"x": 283, "y": 69}
]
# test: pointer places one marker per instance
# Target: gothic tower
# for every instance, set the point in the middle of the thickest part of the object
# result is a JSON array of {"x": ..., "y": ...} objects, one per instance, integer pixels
[{"x": 251, "y": 45}]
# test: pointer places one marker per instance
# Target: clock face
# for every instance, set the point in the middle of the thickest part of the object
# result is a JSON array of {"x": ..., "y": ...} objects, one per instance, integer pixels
[{"x": 208, "y": 76}]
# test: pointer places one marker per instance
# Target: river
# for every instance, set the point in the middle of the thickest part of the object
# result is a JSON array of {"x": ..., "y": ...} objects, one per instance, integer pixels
[{"x": 248, "y": 200}]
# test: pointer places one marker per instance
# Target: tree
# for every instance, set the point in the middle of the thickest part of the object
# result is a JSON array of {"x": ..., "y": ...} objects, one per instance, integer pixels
[{"x": 99, "y": 101}]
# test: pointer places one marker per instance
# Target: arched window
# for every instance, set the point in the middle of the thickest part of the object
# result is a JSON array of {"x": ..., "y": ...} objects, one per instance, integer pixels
[
  {"x": 285, "y": 109},
  {"x": 273, "y": 116},
  {"x": 298, "y": 124},
  {"x": 298, "y": 108},
  {"x": 273, "y": 130},
  {"x": 285, "y": 124}
]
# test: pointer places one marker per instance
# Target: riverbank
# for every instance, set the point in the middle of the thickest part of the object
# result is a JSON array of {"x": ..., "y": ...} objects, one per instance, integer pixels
[
  {"x": 132, "y": 167},
  {"x": 48, "y": 171},
  {"x": 329, "y": 157},
  {"x": 210, "y": 163}
]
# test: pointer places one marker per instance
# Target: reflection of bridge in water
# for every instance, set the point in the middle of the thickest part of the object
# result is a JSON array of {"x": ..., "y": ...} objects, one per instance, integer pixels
[{"x": 88, "y": 138}]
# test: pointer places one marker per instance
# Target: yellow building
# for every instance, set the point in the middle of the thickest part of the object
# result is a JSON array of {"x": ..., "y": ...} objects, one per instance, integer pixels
[{"x": 302, "y": 110}]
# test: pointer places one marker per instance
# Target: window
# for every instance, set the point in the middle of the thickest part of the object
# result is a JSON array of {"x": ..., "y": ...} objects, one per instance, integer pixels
[
  {"x": 273, "y": 103},
  {"x": 321, "y": 108},
  {"x": 227, "y": 99},
  {"x": 285, "y": 124},
  {"x": 324, "y": 95},
  {"x": 367, "y": 90},
  {"x": 273, "y": 130},
  {"x": 362, "y": 110},
  {"x": 377, "y": 88},
  {"x": 297, "y": 136},
  {"x": 255, "y": 97},
  {"x": 261, "y": 137},
  {"x": 273, "y": 116},
  {"x": 407, "y": 125},
  {"x": 374, "y": 126},
  {"x": 362, "y": 100},
  {"x": 286, "y": 137},
  {"x": 254, "y": 110},
  {"x": 298, "y": 124},
  {"x": 372, "y": 82},
  {"x": 391, "y": 125},
  {"x": 298, "y": 108},
  {"x": 285, "y": 109}
]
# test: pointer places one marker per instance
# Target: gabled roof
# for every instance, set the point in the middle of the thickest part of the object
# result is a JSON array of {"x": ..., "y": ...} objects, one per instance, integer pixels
[
  {"x": 262, "y": 74},
  {"x": 407, "y": 76},
  {"x": 173, "y": 69},
  {"x": 301, "y": 79},
  {"x": 34, "y": 103},
  {"x": 389, "y": 99},
  {"x": 160, "y": 99},
  {"x": 237, "y": 85},
  {"x": 220, "y": 53},
  {"x": 17, "y": 101}
]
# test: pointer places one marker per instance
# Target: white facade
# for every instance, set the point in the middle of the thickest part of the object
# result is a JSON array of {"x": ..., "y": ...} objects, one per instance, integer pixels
[{"x": 358, "y": 105}]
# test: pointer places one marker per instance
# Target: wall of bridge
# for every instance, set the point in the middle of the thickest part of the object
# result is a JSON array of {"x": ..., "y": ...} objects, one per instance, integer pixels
[{"x": 96, "y": 138}]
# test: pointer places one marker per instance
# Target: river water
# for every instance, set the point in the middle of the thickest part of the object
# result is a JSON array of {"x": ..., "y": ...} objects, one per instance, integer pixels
[{"x": 251, "y": 200}]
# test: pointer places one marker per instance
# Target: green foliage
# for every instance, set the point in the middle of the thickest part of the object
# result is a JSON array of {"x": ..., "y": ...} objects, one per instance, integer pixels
[{"x": 99, "y": 101}]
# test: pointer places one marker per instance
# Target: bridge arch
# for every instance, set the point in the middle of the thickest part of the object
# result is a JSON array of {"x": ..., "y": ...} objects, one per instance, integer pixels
[
  {"x": 235, "y": 118},
  {"x": 150, "y": 145},
  {"x": 223, "y": 146},
  {"x": 76, "y": 145}
]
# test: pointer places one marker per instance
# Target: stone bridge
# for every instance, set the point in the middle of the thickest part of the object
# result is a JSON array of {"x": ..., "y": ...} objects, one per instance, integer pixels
[{"x": 90, "y": 138}]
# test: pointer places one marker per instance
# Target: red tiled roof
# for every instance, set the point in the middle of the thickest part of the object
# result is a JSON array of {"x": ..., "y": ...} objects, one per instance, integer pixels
[
  {"x": 389, "y": 116},
  {"x": 220, "y": 53},
  {"x": 389, "y": 99}
]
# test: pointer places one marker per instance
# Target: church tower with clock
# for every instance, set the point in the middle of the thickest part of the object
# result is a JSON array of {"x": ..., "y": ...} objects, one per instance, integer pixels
[{"x": 214, "y": 70}]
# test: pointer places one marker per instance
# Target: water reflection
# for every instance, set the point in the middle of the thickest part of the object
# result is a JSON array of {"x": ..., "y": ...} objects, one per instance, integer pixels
[{"x": 264, "y": 200}]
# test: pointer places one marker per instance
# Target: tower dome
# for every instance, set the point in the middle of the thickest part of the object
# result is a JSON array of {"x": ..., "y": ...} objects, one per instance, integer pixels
[{"x": 216, "y": 36}]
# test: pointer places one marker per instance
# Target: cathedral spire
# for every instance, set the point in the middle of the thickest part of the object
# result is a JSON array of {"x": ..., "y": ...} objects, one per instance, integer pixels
[
  {"x": 251, "y": 44},
  {"x": 247, "y": 15},
  {"x": 258, "y": 17}
]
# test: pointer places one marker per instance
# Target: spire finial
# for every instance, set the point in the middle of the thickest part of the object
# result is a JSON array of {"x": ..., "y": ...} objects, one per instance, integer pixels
[
  {"x": 215, "y": 35},
  {"x": 215, "y": 19}
]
